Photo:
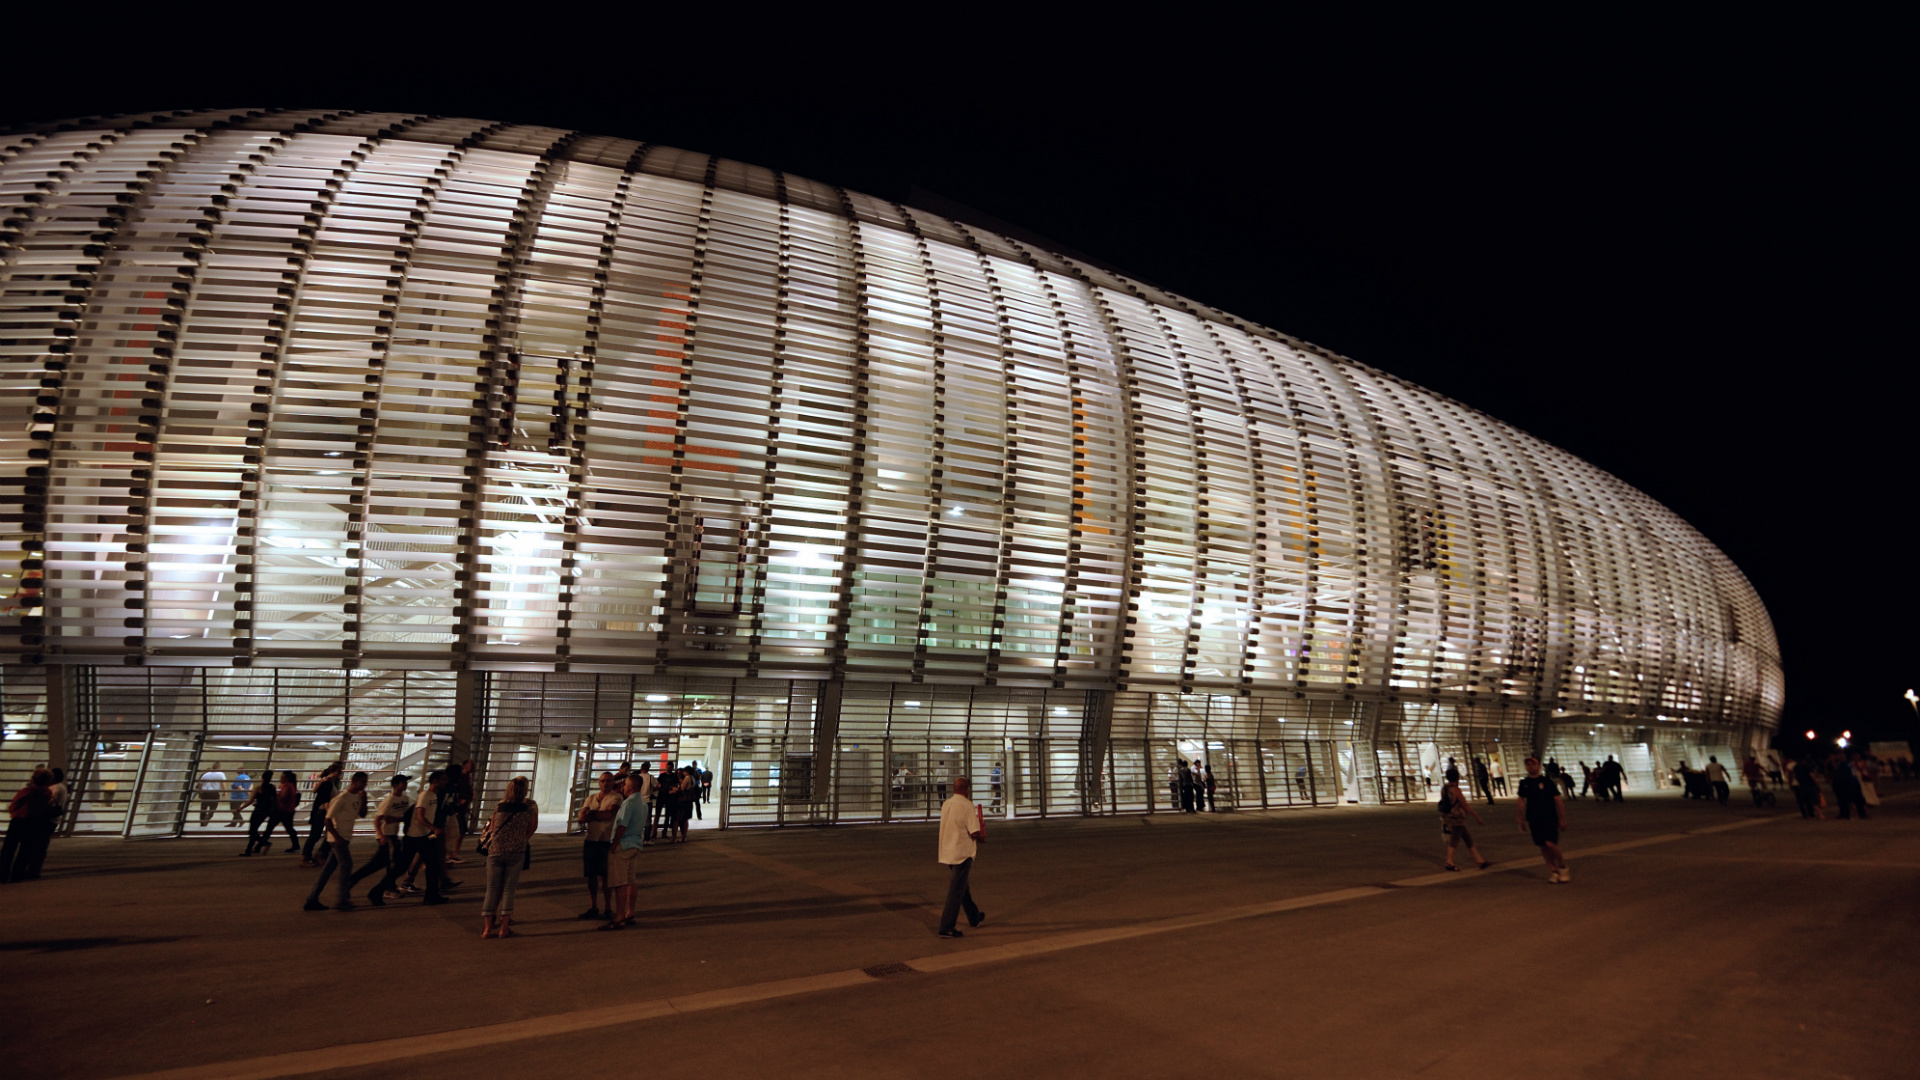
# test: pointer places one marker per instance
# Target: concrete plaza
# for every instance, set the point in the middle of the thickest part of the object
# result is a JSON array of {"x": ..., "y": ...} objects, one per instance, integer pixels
[{"x": 1318, "y": 943}]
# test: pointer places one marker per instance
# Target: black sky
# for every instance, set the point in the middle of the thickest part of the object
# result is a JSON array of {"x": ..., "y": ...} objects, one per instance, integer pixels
[{"x": 1676, "y": 250}]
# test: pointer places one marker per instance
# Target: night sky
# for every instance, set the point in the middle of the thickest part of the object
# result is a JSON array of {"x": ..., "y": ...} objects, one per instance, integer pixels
[{"x": 1670, "y": 249}]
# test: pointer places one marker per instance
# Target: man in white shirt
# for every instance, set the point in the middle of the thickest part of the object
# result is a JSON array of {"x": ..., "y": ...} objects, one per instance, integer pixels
[
  {"x": 425, "y": 843},
  {"x": 649, "y": 791},
  {"x": 1717, "y": 776},
  {"x": 347, "y": 808},
  {"x": 213, "y": 784},
  {"x": 961, "y": 830},
  {"x": 388, "y": 819}
]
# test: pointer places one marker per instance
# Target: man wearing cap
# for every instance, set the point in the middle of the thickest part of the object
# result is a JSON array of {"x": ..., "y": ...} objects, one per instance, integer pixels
[
  {"x": 388, "y": 819},
  {"x": 423, "y": 842}
]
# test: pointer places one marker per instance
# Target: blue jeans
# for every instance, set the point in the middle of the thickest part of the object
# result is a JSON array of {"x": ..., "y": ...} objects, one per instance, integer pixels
[
  {"x": 340, "y": 859},
  {"x": 503, "y": 878}
]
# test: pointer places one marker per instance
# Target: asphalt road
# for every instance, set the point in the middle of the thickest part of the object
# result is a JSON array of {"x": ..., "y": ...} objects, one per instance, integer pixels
[{"x": 1307, "y": 943}]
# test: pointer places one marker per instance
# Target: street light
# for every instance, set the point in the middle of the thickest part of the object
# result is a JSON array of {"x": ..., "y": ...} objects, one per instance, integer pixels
[{"x": 1913, "y": 699}]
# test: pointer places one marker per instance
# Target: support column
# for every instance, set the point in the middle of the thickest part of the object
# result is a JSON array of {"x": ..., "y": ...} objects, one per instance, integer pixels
[
  {"x": 469, "y": 691},
  {"x": 62, "y": 724},
  {"x": 1096, "y": 738},
  {"x": 826, "y": 732}
]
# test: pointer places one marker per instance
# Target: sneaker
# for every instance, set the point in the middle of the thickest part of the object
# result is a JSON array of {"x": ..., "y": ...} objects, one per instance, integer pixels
[
  {"x": 951, "y": 934},
  {"x": 315, "y": 905},
  {"x": 1566, "y": 873},
  {"x": 406, "y": 890},
  {"x": 348, "y": 906},
  {"x": 376, "y": 899},
  {"x": 434, "y": 900},
  {"x": 590, "y": 913},
  {"x": 975, "y": 923}
]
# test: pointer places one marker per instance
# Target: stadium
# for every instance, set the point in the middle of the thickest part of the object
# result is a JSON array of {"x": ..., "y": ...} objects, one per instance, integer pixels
[{"x": 404, "y": 439}]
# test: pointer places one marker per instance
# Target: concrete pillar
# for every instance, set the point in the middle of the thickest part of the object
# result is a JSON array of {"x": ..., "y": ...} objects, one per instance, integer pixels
[
  {"x": 1096, "y": 735},
  {"x": 826, "y": 730},
  {"x": 63, "y": 727},
  {"x": 468, "y": 702}
]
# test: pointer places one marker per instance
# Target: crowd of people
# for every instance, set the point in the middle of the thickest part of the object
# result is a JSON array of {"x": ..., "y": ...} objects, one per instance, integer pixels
[
  {"x": 422, "y": 835},
  {"x": 415, "y": 835},
  {"x": 1192, "y": 787}
]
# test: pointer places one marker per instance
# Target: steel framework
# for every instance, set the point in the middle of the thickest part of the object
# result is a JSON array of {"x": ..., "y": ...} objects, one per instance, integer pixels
[{"x": 389, "y": 392}]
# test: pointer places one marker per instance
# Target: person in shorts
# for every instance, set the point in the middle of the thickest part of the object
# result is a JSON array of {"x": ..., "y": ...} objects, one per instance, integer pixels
[
  {"x": 623, "y": 865},
  {"x": 1454, "y": 823},
  {"x": 1541, "y": 812},
  {"x": 596, "y": 820}
]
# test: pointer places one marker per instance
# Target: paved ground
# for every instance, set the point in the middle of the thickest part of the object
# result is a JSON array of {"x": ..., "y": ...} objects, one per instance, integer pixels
[{"x": 1298, "y": 943}]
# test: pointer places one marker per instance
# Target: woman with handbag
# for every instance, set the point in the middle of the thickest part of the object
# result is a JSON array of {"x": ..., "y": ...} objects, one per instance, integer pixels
[{"x": 504, "y": 843}]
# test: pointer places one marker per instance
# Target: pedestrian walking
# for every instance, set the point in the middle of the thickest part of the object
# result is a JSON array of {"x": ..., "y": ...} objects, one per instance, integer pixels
[
  {"x": 1540, "y": 811},
  {"x": 324, "y": 792},
  {"x": 1454, "y": 809},
  {"x": 1208, "y": 787},
  {"x": 504, "y": 842},
  {"x": 389, "y": 818},
  {"x": 1499, "y": 775},
  {"x": 1756, "y": 778},
  {"x": 962, "y": 828},
  {"x": 1586, "y": 779},
  {"x": 260, "y": 805},
  {"x": 1481, "y": 780},
  {"x": 1846, "y": 788},
  {"x": 213, "y": 787},
  {"x": 596, "y": 821},
  {"x": 1186, "y": 785},
  {"x": 623, "y": 866},
  {"x": 238, "y": 794},
  {"x": 343, "y": 812},
  {"x": 286, "y": 803},
  {"x": 1616, "y": 778},
  {"x": 1717, "y": 779},
  {"x": 1805, "y": 791},
  {"x": 423, "y": 845}
]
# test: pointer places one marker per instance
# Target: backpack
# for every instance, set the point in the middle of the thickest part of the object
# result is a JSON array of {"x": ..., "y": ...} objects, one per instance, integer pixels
[{"x": 1445, "y": 802}]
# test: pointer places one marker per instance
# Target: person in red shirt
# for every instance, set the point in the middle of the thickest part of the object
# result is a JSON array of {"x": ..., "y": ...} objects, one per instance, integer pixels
[{"x": 30, "y": 810}]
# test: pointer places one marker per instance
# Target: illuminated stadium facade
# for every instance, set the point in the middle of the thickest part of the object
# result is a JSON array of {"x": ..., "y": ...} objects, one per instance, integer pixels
[{"x": 397, "y": 438}]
